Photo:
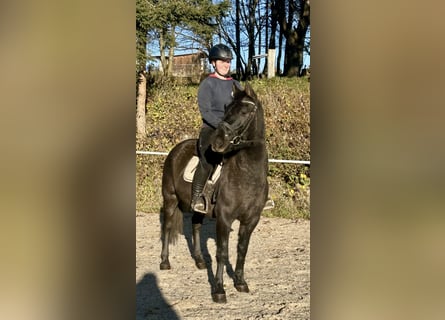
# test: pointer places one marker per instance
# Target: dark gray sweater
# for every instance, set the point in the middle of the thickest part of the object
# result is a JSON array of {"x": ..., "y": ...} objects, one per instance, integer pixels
[{"x": 213, "y": 95}]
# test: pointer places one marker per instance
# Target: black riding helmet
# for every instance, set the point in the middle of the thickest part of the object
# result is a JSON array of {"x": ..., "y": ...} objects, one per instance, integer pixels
[{"x": 220, "y": 52}]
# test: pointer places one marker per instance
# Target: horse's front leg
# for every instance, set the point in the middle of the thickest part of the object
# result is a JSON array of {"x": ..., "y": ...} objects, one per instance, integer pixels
[
  {"x": 222, "y": 255},
  {"x": 197, "y": 220},
  {"x": 245, "y": 231}
]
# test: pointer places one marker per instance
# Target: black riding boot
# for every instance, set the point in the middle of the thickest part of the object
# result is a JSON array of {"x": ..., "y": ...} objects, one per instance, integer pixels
[{"x": 199, "y": 181}]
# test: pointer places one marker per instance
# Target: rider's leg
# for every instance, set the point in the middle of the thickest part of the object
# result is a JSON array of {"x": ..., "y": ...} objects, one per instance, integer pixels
[
  {"x": 203, "y": 171},
  {"x": 199, "y": 181}
]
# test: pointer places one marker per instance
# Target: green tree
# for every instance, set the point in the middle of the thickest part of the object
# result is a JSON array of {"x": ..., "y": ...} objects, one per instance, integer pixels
[
  {"x": 203, "y": 19},
  {"x": 159, "y": 19},
  {"x": 197, "y": 17}
]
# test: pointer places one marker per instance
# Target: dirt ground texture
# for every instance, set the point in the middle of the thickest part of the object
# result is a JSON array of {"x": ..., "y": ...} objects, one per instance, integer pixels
[{"x": 277, "y": 271}]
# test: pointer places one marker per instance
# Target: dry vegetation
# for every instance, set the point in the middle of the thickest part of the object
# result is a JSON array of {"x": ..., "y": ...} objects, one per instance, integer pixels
[{"x": 172, "y": 116}]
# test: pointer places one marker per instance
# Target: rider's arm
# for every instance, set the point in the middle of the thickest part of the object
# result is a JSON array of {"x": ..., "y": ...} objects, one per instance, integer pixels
[{"x": 205, "y": 105}]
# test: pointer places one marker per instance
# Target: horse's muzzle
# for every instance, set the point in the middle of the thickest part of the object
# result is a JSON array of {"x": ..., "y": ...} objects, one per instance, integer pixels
[
  {"x": 221, "y": 138},
  {"x": 219, "y": 145}
]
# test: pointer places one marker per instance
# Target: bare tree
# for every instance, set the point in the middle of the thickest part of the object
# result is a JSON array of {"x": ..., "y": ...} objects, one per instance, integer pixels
[
  {"x": 140, "y": 110},
  {"x": 299, "y": 12},
  {"x": 239, "y": 71},
  {"x": 141, "y": 60}
]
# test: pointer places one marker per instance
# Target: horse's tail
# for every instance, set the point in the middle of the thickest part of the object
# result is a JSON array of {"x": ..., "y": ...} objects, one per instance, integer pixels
[{"x": 173, "y": 225}]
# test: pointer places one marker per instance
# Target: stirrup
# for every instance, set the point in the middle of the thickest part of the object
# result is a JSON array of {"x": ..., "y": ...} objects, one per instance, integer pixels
[
  {"x": 199, "y": 205},
  {"x": 270, "y": 204}
]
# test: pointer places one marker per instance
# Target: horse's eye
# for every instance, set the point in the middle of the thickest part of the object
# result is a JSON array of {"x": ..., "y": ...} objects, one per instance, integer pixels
[{"x": 245, "y": 111}]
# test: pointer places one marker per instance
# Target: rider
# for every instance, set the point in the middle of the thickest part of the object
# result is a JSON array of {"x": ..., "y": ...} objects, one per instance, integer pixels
[{"x": 214, "y": 93}]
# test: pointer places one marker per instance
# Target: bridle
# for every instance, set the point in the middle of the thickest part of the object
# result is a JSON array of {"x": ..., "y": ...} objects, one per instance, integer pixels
[{"x": 237, "y": 140}]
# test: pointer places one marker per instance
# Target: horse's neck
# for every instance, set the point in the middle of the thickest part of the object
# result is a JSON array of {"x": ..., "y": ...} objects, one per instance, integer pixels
[{"x": 251, "y": 156}]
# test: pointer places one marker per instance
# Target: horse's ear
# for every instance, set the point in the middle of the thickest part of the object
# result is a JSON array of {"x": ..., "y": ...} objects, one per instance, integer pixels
[{"x": 249, "y": 91}]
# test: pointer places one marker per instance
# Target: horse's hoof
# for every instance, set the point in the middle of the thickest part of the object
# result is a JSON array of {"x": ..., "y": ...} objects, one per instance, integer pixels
[
  {"x": 242, "y": 287},
  {"x": 200, "y": 263},
  {"x": 219, "y": 297},
  {"x": 165, "y": 266}
]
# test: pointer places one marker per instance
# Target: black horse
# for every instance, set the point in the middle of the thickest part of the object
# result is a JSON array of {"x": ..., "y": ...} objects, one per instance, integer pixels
[{"x": 240, "y": 192}]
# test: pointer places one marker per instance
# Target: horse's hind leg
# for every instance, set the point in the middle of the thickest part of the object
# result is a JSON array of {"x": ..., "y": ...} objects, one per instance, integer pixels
[
  {"x": 166, "y": 229},
  {"x": 245, "y": 231},
  {"x": 197, "y": 220}
]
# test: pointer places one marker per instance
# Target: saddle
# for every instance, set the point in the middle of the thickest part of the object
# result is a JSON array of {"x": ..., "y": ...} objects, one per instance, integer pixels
[{"x": 210, "y": 187}]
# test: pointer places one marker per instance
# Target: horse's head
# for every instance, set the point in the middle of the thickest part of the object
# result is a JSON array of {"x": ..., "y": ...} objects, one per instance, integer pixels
[{"x": 243, "y": 122}]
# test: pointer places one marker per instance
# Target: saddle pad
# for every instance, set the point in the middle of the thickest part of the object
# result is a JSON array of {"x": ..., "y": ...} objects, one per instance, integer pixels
[{"x": 190, "y": 169}]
